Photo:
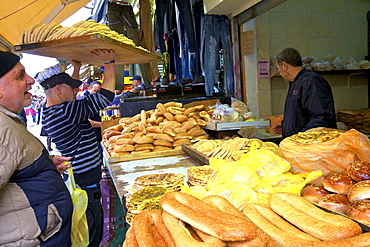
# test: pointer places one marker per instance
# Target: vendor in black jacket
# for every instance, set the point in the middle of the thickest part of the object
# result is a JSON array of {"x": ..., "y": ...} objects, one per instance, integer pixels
[{"x": 309, "y": 102}]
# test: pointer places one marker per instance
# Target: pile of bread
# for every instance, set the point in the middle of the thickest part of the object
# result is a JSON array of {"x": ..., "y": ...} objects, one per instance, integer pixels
[
  {"x": 231, "y": 149},
  {"x": 147, "y": 190},
  {"x": 289, "y": 220},
  {"x": 165, "y": 128},
  {"x": 344, "y": 192},
  {"x": 53, "y": 31},
  {"x": 356, "y": 119}
]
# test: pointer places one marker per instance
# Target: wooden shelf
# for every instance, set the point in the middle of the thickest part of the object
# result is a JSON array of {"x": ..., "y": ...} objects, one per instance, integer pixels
[
  {"x": 79, "y": 48},
  {"x": 339, "y": 72}
]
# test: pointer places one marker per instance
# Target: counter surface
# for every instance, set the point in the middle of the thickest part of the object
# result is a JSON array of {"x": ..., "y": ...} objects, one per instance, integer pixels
[{"x": 124, "y": 173}]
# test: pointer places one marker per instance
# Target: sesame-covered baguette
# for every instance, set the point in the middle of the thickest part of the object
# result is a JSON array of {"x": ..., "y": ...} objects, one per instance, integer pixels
[
  {"x": 150, "y": 229},
  {"x": 262, "y": 239},
  {"x": 362, "y": 240},
  {"x": 311, "y": 219},
  {"x": 182, "y": 236},
  {"x": 207, "y": 218},
  {"x": 276, "y": 227}
]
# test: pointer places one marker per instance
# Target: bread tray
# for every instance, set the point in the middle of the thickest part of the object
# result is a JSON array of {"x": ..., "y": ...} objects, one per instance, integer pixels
[
  {"x": 237, "y": 125},
  {"x": 365, "y": 228},
  {"x": 198, "y": 156},
  {"x": 139, "y": 156},
  {"x": 79, "y": 48}
]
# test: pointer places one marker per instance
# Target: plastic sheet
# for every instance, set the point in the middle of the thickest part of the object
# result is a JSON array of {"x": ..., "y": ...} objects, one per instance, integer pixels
[{"x": 332, "y": 155}]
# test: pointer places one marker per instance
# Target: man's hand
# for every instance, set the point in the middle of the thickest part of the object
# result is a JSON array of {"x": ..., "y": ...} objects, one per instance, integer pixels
[
  {"x": 278, "y": 129},
  {"x": 76, "y": 69},
  {"x": 104, "y": 54},
  {"x": 75, "y": 64},
  {"x": 61, "y": 163}
]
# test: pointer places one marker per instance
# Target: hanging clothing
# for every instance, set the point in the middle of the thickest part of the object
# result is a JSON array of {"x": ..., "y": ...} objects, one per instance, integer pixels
[
  {"x": 165, "y": 8},
  {"x": 147, "y": 40},
  {"x": 216, "y": 32},
  {"x": 121, "y": 18}
]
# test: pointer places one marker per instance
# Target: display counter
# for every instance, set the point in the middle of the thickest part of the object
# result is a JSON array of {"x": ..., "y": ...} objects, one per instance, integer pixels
[
  {"x": 133, "y": 106},
  {"x": 124, "y": 173}
]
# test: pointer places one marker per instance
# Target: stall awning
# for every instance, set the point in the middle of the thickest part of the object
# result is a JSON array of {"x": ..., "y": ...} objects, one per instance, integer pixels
[{"x": 17, "y": 15}]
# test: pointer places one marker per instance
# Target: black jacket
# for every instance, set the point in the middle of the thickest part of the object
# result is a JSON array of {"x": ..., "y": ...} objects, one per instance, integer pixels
[{"x": 309, "y": 104}]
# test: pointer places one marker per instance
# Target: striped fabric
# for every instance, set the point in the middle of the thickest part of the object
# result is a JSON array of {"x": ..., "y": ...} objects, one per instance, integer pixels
[{"x": 68, "y": 126}]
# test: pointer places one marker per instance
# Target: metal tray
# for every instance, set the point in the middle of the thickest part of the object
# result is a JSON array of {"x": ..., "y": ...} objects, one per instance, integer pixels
[{"x": 237, "y": 125}]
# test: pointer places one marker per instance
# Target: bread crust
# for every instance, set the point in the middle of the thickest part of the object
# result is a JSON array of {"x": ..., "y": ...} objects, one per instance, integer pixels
[
  {"x": 206, "y": 218},
  {"x": 276, "y": 227},
  {"x": 311, "y": 219}
]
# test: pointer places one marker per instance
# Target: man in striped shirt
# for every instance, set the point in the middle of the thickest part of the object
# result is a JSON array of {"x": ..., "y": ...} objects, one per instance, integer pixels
[{"x": 66, "y": 121}]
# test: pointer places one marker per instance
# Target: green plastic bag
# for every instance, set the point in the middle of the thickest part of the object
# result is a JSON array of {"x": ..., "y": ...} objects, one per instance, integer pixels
[{"x": 80, "y": 229}]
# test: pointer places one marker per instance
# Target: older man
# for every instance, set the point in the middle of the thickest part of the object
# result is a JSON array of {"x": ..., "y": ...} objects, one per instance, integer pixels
[
  {"x": 309, "y": 102},
  {"x": 35, "y": 205},
  {"x": 66, "y": 120}
]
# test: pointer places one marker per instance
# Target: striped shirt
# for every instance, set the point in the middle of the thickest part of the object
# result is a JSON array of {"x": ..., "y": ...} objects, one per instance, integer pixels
[{"x": 68, "y": 126}]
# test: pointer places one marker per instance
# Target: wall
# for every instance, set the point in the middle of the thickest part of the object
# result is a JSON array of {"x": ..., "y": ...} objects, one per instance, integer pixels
[{"x": 315, "y": 28}]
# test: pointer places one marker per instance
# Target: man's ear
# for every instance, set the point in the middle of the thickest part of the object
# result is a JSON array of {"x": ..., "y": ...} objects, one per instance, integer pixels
[
  {"x": 57, "y": 89},
  {"x": 284, "y": 65}
]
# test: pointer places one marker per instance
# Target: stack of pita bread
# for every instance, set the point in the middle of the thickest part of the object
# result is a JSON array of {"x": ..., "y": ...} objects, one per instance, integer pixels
[
  {"x": 147, "y": 198},
  {"x": 171, "y": 181},
  {"x": 199, "y": 175}
]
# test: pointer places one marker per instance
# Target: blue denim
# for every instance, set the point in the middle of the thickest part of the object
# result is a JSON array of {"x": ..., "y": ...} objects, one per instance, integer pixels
[
  {"x": 167, "y": 7},
  {"x": 216, "y": 31},
  {"x": 185, "y": 60}
]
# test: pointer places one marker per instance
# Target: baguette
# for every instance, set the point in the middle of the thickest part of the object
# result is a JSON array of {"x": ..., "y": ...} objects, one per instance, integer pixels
[
  {"x": 362, "y": 240},
  {"x": 150, "y": 230},
  {"x": 207, "y": 218},
  {"x": 311, "y": 219},
  {"x": 276, "y": 227},
  {"x": 182, "y": 237},
  {"x": 262, "y": 239},
  {"x": 163, "y": 137},
  {"x": 143, "y": 140},
  {"x": 130, "y": 240}
]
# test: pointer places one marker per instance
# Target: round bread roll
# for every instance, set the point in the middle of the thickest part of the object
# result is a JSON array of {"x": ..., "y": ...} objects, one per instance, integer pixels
[
  {"x": 144, "y": 140},
  {"x": 335, "y": 202},
  {"x": 123, "y": 148},
  {"x": 360, "y": 211},
  {"x": 338, "y": 182},
  {"x": 359, "y": 170},
  {"x": 181, "y": 118},
  {"x": 162, "y": 143},
  {"x": 179, "y": 142},
  {"x": 313, "y": 192},
  {"x": 161, "y": 148},
  {"x": 142, "y": 147},
  {"x": 359, "y": 191}
]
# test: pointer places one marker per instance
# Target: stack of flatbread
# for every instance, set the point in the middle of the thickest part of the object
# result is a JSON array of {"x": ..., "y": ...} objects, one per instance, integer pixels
[
  {"x": 355, "y": 119},
  {"x": 231, "y": 149},
  {"x": 171, "y": 181},
  {"x": 147, "y": 198},
  {"x": 199, "y": 175}
]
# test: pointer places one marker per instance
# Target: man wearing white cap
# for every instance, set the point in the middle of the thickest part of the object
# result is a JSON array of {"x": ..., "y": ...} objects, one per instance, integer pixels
[{"x": 66, "y": 121}]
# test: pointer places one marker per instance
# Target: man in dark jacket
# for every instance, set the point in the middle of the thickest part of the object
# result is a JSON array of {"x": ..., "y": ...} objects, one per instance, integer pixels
[
  {"x": 309, "y": 102},
  {"x": 36, "y": 207}
]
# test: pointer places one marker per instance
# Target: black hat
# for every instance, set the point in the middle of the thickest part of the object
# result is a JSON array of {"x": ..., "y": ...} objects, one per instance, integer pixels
[
  {"x": 7, "y": 61},
  {"x": 62, "y": 78}
]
